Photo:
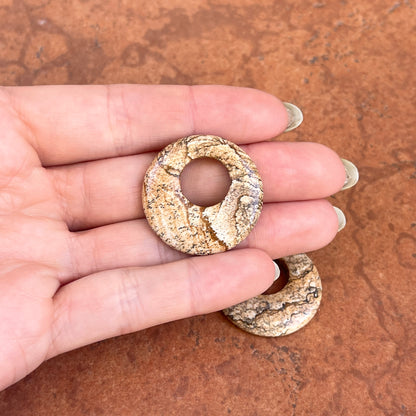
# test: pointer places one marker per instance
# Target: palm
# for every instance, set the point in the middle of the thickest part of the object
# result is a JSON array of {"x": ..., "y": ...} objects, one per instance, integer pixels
[
  {"x": 32, "y": 233},
  {"x": 78, "y": 262}
]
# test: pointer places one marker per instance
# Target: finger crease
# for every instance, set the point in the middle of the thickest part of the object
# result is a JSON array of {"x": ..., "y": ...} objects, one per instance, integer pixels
[
  {"x": 118, "y": 119},
  {"x": 195, "y": 294},
  {"x": 28, "y": 131},
  {"x": 130, "y": 303},
  {"x": 61, "y": 320},
  {"x": 192, "y": 108}
]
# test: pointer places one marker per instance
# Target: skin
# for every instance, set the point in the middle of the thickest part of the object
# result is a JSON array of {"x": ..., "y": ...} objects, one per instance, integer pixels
[{"x": 78, "y": 262}]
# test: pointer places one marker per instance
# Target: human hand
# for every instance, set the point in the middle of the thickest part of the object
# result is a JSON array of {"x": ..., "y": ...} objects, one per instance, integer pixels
[{"x": 78, "y": 261}]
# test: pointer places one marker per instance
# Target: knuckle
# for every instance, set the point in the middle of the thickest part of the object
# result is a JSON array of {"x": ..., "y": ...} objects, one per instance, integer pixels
[
  {"x": 118, "y": 118},
  {"x": 130, "y": 305}
]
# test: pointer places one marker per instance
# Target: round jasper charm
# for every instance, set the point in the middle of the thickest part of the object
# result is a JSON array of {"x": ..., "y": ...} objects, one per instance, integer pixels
[
  {"x": 286, "y": 311},
  {"x": 191, "y": 228}
]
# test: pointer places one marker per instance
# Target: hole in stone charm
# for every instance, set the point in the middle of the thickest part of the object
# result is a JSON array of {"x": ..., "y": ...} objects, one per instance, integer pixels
[
  {"x": 205, "y": 181},
  {"x": 281, "y": 282}
]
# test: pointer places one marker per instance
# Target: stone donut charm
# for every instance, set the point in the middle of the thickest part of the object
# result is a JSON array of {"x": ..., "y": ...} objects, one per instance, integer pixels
[
  {"x": 191, "y": 228},
  {"x": 286, "y": 311}
]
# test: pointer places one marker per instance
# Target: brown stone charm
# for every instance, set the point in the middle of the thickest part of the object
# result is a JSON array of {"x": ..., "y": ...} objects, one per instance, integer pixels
[
  {"x": 286, "y": 311},
  {"x": 191, "y": 228}
]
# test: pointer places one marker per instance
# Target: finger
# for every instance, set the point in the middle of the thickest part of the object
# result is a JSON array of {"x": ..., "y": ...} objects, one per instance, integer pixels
[
  {"x": 108, "y": 191},
  {"x": 70, "y": 124},
  {"x": 120, "y": 301},
  {"x": 283, "y": 229}
]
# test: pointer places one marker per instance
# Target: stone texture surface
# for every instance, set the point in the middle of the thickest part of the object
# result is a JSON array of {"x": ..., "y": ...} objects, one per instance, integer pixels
[
  {"x": 349, "y": 65},
  {"x": 288, "y": 310},
  {"x": 191, "y": 228}
]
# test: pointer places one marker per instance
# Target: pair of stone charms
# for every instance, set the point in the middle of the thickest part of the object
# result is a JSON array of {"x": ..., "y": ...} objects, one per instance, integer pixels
[{"x": 198, "y": 230}]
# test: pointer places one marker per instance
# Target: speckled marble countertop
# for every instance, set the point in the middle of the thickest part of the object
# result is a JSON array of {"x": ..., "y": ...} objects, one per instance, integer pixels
[{"x": 350, "y": 66}]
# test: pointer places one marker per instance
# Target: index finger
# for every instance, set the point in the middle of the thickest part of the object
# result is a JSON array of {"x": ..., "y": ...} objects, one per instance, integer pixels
[{"x": 70, "y": 124}]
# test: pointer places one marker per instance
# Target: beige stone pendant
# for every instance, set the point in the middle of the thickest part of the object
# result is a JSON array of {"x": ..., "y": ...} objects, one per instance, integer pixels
[
  {"x": 286, "y": 311},
  {"x": 191, "y": 228}
]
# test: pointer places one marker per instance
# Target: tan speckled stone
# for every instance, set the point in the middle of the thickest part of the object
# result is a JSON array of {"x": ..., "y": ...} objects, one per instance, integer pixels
[
  {"x": 286, "y": 311},
  {"x": 191, "y": 228}
]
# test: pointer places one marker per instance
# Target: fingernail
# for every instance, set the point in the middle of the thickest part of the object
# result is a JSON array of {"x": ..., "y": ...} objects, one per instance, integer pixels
[
  {"x": 342, "y": 221},
  {"x": 295, "y": 116},
  {"x": 276, "y": 271},
  {"x": 351, "y": 173}
]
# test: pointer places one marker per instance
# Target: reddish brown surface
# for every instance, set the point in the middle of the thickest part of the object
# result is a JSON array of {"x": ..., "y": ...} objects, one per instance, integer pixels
[{"x": 350, "y": 66}]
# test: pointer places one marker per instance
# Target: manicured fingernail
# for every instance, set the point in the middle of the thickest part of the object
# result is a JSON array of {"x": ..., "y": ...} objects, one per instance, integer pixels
[
  {"x": 352, "y": 174},
  {"x": 342, "y": 221},
  {"x": 295, "y": 116},
  {"x": 276, "y": 271}
]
